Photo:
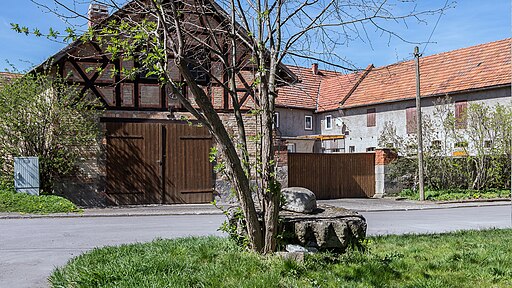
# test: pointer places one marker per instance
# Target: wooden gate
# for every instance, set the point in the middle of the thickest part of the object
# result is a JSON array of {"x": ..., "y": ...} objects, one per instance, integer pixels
[
  {"x": 149, "y": 163},
  {"x": 333, "y": 176}
]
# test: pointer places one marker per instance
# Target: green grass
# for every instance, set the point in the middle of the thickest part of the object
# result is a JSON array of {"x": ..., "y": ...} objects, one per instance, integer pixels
[
  {"x": 455, "y": 194},
  {"x": 462, "y": 259},
  {"x": 10, "y": 201}
]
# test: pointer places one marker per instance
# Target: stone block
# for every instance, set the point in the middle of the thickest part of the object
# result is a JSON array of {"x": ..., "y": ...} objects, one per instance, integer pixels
[
  {"x": 298, "y": 199},
  {"x": 330, "y": 228}
]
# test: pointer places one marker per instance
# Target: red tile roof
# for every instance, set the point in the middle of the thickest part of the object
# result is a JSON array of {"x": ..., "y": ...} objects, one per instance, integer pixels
[
  {"x": 303, "y": 94},
  {"x": 334, "y": 89},
  {"x": 8, "y": 77},
  {"x": 475, "y": 67}
]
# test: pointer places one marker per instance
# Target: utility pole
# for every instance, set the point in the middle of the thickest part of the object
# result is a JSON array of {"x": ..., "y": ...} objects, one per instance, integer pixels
[{"x": 419, "y": 129}]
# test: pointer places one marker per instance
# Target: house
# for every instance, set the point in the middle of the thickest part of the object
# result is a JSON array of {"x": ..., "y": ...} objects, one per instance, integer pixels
[
  {"x": 298, "y": 107},
  {"x": 149, "y": 153},
  {"x": 349, "y": 112}
]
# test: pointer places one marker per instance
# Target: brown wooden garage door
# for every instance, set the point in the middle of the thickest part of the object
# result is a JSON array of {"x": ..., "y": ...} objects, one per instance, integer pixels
[{"x": 164, "y": 163}]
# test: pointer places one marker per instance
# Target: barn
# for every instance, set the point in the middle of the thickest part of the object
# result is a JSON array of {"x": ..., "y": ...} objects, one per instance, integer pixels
[{"x": 152, "y": 150}]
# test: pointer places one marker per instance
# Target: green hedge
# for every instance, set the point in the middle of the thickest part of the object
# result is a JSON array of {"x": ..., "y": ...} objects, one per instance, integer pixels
[{"x": 456, "y": 194}]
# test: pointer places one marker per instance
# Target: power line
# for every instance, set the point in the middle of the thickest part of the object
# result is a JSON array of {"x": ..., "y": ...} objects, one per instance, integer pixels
[{"x": 435, "y": 26}]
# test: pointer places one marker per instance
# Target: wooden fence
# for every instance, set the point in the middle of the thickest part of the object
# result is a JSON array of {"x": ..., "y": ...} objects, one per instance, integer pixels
[{"x": 332, "y": 176}]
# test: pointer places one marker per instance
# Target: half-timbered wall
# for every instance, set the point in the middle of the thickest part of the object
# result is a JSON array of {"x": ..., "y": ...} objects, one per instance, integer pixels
[
  {"x": 89, "y": 67},
  {"x": 140, "y": 98}
]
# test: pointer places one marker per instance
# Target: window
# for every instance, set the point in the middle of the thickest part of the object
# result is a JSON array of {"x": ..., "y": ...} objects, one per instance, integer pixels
[
  {"x": 436, "y": 144},
  {"x": 370, "y": 117},
  {"x": 199, "y": 74},
  {"x": 351, "y": 149},
  {"x": 410, "y": 120},
  {"x": 487, "y": 143},
  {"x": 200, "y": 66},
  {"x": 460, "y": 114},
  {"x": 328, "y": 122},
  {"x": 308, "y": 122},
  {"x": 276, "y": 120},
  {"x": 370, "y": 149}
]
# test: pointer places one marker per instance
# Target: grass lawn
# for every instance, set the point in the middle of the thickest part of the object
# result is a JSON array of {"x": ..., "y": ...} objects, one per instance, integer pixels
[
  {"x": 462, "y": 259},
  {"x": 455, "y": 194},
  {"x": 10, "y": 201}
]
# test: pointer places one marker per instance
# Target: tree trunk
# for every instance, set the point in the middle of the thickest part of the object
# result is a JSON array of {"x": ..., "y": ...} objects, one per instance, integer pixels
[
  {"x": 269, "y": 184},
  {"x": 271, "y": 188},
  {"x": 236, "y": 171}
]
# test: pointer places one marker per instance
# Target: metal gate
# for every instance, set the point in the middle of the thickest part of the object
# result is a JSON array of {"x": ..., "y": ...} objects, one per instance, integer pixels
[
  {"x": 333, "y": 176},
  {"x": 150, "y": 163}
]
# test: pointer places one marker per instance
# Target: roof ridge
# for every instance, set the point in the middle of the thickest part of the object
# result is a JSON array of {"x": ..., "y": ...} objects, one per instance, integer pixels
[
  {"x": 363, "y": 76},
  {"x": 309, "y": 68}
]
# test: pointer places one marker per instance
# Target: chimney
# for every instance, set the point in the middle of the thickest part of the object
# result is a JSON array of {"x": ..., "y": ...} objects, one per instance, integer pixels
[
  {"x": 314, "y": 68},
  {"x": 97, "y": 13}
]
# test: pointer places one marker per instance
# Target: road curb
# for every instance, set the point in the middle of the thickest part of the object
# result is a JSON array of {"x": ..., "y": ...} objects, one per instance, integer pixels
[
  {"x": 99, "y": 215},
  {"x": 475, "y": 201},
  {"x": 444, "y": 205},
  {"x": 441, "y": 207}
]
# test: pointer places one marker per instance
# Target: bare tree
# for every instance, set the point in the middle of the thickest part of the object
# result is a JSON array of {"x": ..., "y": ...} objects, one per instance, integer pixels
[{"x": 202, "y": 36}]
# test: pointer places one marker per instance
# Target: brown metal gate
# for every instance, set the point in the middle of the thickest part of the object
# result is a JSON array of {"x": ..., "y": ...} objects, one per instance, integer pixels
[
  {"x": 332, "y": 176},
  {"x": 150, "y": 163}
]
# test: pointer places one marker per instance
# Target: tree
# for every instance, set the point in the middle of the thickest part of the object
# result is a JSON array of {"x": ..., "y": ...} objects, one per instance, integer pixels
[
  {"x": 42, "y": 116},
  {"x": 480, "y": 138},
  {"x": 194, "y": 36},
  {"x": 485, "y": 141}
]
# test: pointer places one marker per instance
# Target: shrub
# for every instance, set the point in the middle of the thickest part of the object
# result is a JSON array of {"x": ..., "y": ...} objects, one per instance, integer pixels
[{"x": 46, "y": 117}]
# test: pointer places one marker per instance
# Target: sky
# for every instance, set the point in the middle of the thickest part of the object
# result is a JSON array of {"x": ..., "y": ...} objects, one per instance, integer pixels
[{"x": 469, "y": 23}]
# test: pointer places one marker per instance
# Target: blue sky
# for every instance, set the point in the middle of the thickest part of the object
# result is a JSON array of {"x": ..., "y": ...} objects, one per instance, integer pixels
[{"x": 471, "y": 22}]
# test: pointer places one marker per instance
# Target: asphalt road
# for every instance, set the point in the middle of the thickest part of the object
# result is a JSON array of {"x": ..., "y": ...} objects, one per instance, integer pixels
[
  {"x": 31, "y": 248},
  {"x": 437, "y": 220}
]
